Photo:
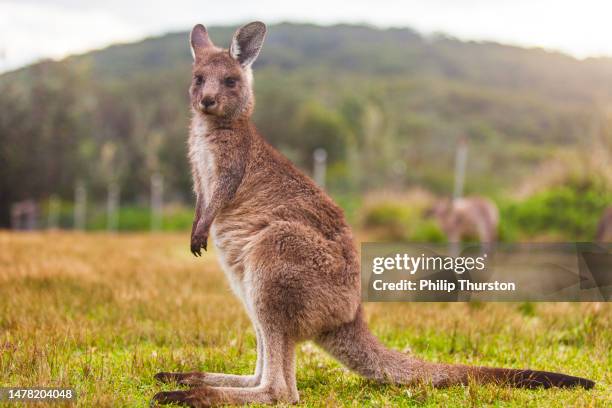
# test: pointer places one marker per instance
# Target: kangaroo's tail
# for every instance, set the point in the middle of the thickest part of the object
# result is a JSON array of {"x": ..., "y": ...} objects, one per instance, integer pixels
[{"x": 354, "y": 346}]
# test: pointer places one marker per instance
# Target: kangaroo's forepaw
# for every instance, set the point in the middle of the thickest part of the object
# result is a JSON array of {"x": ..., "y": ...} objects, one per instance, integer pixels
[
  {"x": 195, "y": 398},
  {"x": 199, "y": 241}
]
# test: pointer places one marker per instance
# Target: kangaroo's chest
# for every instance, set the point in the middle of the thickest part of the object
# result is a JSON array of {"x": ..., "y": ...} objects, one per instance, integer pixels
[
  {"x": 203, "y": 161},
  {"x": 204, "y": 164}
]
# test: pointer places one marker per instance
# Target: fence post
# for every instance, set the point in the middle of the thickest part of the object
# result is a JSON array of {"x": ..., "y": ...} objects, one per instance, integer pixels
[
  {"x": 112, "y": 205},
  {"x": 53, "y": 215},
  {"x": 320, "y": 166},
  {"x": 80, "y": 205},
  {"x": 460, "y": 163},
  {"x": 157, "y": 201}
]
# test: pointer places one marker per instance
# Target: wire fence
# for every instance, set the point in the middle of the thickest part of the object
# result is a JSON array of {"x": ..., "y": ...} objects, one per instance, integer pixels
[{"x": 81, "y": 213}]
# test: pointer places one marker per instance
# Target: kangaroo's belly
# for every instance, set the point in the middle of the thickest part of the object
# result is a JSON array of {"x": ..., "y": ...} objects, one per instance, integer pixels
[
  {"x": 226, "y": 255},
  {"x": 233, "y": 243},
  {"x": 233, "y": 240}
]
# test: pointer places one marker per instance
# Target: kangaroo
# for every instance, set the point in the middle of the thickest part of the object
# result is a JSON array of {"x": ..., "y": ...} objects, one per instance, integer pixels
[
  {"x": 604, "y": 229},
  {"x": 467, "y": 217},
  {"x": 286, "y": 249}
]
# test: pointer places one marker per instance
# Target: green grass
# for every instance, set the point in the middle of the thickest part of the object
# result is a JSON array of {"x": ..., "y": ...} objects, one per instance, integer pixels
[{"x": 103, "y": 313}]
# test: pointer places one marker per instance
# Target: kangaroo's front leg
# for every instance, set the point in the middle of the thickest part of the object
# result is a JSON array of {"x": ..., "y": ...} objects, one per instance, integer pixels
[
  {"x": 228, "y": 177},
  {"x": 196, "y": 240},
  {"x": 196, "y": 378}
]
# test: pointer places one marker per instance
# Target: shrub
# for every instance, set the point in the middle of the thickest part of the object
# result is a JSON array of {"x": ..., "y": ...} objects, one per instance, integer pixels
[
  {"x": 427, "y": 231},
  {"x": 570, "y": 211},
  {"x": 396, "y": 222},
  {"x": 390, "y": 220}
]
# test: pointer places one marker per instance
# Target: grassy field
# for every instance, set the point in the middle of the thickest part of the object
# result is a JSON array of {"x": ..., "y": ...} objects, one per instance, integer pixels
[{"x": 103, "y": 313}]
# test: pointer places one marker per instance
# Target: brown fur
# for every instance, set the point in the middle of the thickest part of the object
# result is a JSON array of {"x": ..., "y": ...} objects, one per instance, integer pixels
[
  {"x": 284, "y": 246},
  {"x": 466, "y": 218}
]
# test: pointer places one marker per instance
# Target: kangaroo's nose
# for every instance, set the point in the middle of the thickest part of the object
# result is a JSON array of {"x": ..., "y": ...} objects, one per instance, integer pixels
[{"x": 208, "y": 102}]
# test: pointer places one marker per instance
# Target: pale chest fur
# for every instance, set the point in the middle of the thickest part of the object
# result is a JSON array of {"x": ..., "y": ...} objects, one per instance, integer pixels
[
  {"x": 202, "y": 160},
  {"x": 203, "y": 164}
]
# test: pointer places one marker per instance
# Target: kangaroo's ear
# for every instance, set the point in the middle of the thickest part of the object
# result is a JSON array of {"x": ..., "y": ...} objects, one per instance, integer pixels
[
  {"x": 247, "y": 43},
  {"x": 199, "y": 40}
]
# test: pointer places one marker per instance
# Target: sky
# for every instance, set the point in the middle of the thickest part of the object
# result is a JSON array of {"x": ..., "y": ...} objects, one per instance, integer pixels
[{"x": 35, "y": 29}]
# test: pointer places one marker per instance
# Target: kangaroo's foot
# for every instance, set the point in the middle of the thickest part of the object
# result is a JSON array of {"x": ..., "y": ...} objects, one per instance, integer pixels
[
  {"x": 205, "y": 396},
  {"x": 194, "y": 379},
  {"x": 196, "y": 397}
]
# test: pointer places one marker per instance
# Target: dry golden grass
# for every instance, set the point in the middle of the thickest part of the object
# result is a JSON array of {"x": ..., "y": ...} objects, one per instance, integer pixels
[{"x": 103, "y": 313}]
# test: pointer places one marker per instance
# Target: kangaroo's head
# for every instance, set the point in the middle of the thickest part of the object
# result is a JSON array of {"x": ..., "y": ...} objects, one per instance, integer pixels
[{"x": 221, "y": 86}]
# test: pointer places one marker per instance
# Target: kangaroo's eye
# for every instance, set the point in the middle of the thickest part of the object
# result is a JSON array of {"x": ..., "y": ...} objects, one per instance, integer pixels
[
  {"x": 230, "y": 82},
  {"x": 199, "y": 79}
]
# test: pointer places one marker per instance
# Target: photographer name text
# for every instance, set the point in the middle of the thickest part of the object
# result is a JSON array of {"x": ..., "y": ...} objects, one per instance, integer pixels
[{"x": 442, "y": 285}]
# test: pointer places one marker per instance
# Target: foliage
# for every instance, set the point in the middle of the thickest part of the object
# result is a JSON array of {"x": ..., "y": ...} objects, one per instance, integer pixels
[
  {"x": 570, "y": 211},
  {"x": 138, "y": 218},
  {"x": 427, "y": 231},
  {"x": 130, "y": 218},
  {"x": 391, "y": 221},
  {"x": 388, "y": 105}
]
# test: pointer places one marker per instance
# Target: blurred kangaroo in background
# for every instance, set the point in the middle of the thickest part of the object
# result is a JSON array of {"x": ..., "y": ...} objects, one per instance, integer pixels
[
  {"x": 467, "y": 217},
  {"x": 286, "y": 249},
  {"x": 604, "y": 228}
]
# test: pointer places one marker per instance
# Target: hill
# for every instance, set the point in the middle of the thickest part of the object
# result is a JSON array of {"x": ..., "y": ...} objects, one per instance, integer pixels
[{"x": 387, "y": 104}]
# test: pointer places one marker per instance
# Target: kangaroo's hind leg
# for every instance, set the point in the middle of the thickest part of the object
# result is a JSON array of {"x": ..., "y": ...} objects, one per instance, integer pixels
[
  {"x": 196, "y": 378},
  {"x": 271, "y": 390}
]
